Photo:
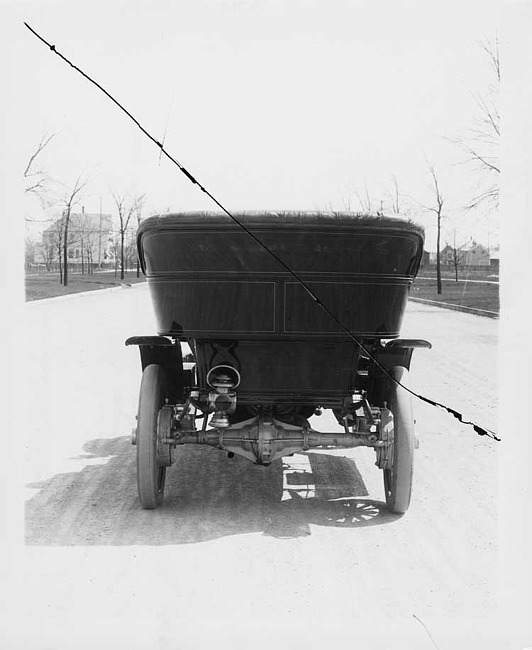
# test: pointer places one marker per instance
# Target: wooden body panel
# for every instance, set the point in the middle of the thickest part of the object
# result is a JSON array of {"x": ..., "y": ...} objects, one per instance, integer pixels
[
  {"x": 209, "y": 278},
  {"x": 212, "y": 285}
]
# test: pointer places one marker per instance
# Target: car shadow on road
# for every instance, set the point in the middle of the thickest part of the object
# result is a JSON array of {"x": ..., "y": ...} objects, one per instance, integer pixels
[{"x": 207, "y": 496}]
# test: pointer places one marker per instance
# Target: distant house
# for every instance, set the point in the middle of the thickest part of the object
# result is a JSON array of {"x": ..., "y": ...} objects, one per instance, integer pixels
[
  {"x": 89, "y": 240},
  {"x": 471, "y": 254},
  {"x": 449, "y": 256},
  {"x": 476, "y": 255}
]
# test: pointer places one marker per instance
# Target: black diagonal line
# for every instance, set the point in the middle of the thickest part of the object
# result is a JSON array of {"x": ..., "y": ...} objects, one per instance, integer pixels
[{"x": 480, "y": 430}]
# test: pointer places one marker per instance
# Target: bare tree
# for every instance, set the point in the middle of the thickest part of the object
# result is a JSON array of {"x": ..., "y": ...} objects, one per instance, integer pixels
[
  {"x": 71, "y": 199},
  {"x": 131, "y": 249},
  {"x": 86, "y": 237},
  {"x": 437, "y": 209},
  {"x": 35, "y": 178},
  {"x": 139, "y": 219},
  {"x": 457, "y": 255},
  {"x": 127, "y": 209},
  {"x": 482, "y": 142},
  {"x": 92, "y": 244},
  {"x": 365, "y": 200},
  {"x": 394, "y": 196},
  {"x": 346, "y": 203},
  {"x": 48, "y": 254},
  {"x": 53, "y": 244},
  {"x": 114, "y": 251}
]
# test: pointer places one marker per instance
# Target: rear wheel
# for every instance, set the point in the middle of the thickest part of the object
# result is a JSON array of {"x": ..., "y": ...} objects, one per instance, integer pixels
[
  {"x": 150, "y": 473},
  {"x": 398, "y": 479}
]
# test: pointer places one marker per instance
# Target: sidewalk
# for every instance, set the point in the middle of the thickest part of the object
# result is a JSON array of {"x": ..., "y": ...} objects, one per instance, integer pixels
[{"x": 450, "y": 305}]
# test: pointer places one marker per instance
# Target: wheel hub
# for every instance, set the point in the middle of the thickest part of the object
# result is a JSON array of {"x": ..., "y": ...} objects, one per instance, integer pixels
[
  {"x": 164, "y": 429},
  {"x": 386, "y": 435}
]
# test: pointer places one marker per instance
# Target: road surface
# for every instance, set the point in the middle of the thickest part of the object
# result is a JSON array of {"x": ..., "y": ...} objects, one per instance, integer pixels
[{"x": 298, "y": 555}]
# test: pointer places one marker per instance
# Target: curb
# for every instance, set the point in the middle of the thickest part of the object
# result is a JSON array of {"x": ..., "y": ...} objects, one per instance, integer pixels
[
  {"x": 449, "y": 305},
  {"x": 82, "y": 294},
  {"x": 421, "y": 277}
]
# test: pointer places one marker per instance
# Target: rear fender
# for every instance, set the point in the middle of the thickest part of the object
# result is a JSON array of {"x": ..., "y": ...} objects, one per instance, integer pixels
[
  {"x": 164, "y": 352},
  {"x": 397, "y": 352}
]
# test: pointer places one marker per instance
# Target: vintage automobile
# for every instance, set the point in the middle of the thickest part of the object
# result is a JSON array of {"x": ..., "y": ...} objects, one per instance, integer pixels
[{"x": 267, "y": 355}]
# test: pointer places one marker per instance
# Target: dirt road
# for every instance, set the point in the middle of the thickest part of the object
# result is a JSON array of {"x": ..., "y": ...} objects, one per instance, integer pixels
[{"x": 298, "y": 554}]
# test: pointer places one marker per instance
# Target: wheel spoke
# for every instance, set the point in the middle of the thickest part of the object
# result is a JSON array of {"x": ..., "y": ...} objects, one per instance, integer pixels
[{"x": 398, "y": 479}]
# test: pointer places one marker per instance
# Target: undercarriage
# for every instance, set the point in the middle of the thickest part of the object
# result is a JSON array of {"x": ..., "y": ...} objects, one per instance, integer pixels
[
  {"x": 228, "y": 414},
  {"x": 263, "y": 439}
]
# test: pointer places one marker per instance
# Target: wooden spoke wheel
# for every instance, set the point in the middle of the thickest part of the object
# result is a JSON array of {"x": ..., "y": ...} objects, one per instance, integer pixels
[
  {"x": 398, "y": 479},
  {"x": 151, "y": 473}
]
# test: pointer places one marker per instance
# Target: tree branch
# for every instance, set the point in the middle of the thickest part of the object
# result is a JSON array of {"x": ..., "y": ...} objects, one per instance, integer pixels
[{"x": 42, "y": 144}]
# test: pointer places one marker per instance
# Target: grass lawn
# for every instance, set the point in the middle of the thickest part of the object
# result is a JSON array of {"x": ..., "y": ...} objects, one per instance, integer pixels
[
  {"x": 491, "y": 274},
  {"x": 46, "y": 285},
  {"x": 477, "y": 295}
]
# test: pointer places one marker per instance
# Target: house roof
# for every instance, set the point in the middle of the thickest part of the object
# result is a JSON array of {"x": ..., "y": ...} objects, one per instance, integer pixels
[{"x": 86, "y": 221}]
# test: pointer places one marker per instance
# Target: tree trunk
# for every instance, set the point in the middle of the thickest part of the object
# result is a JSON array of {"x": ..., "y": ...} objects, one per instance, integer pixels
[
  {"x": 438, "y": 268},
  {"x": 65, "y": 253},
  {"x": 121, "y": 254},
  {"x": 60, "y": 266}
]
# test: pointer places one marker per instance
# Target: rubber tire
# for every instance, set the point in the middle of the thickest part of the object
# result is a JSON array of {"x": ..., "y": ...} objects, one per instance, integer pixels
[
  {"x": 398, "y": 480},
  {"x": 150, "y": 475}
]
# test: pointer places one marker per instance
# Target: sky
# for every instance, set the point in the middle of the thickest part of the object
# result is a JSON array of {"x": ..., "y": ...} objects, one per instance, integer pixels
[{"x": 270, "y": 104}]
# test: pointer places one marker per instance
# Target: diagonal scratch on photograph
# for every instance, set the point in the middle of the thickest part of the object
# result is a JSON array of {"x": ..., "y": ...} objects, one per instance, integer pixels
[{"x": 254, "y": 363}]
